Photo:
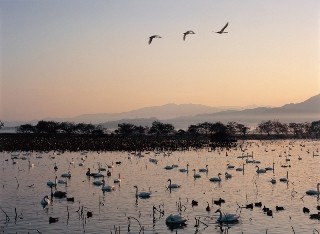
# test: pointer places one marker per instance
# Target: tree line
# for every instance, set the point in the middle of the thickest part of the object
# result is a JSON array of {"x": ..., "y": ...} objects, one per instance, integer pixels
[{"x": 218, "y": 129}]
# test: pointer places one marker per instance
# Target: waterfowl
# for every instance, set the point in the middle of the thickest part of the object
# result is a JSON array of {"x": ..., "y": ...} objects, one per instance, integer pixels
[
  {"x": 265, "y": 209},
  {"x": 108, "y": 173},
  {"x": 305, "y": 210},
  {"x": 45, "y": 201},
  {"x": 315, "y": 216},
  {"x": 168, "y": 167},
  {"x": 106, "y": 188},
  {"x": 59, "y": 194},
  {"x": 285, "y": 179},
  {"x": 262, "y": 170},
  {"x": 184, "y": 170},
  {"x": 204, "y": 169},
  {"x": 196, "y": 175},
  {"x": 53, "y": 220},
  {"x": 187, "y": 33},
  {"x": 173, "y": 185},
  {"x": 194, "y": 203},
  {"x": 142, "y": 194},
  {"x": 152, "y": 37},
  {"x": 228, "y": 175},
  {"x": 66, "y": 175},
  {"x": 175, "y": 220},
  {"x": 55, "y": 167},
  {"x": 219, "y": 201},
  {"x": 89, "y": 214},
  {"x": 278, "y": 208},
  {"x": 51, "y": 183},
  {"x": 224, "y": 27},
  {"x": 97, "y": 182},
  {"x": 117, "y": 180},
  {"x": 70, "y": 199},
  {"x": 314, "y": 192},
  {"x": 227, "y": 218},
  {"x": 216, "y": 179},
  {"x": 258, "y": 204},
  {"x": 249, "y": 206},
  {"x": 269, "y": 213},
  {"x": 208, "y": 207}
]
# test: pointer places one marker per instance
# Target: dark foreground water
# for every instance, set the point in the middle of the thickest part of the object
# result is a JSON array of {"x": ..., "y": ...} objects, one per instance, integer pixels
[{"x": 24, "y": 184}]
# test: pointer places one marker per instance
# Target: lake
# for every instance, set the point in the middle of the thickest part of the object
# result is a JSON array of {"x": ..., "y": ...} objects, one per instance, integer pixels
[{"x": 24, "y": 184}]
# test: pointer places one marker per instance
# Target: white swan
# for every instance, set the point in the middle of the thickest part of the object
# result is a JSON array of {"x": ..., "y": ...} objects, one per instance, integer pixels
[
  {"x": 224, "y": 27},
  {"x": 196, "y": 175},
  {"x": 45, "y": 201},
  {"x": 314, "y": 192},
  {"x": 262, "y": 170},
  {"x": 227, "y": 218},
  {"x": 51, "y": 183},
  {"x": 151, "y": 38},
  {"x": 173, "y": 185},
  {"x": 228, "y": 175},
  {"x": 106, "y": 188},
  {"x": 117, "y": 180},
  {"x": 204, "y": 169},
  {"x": 184, "y": 170},
  {"x": 285, "y": 179},
  {"x": 173, "y": 220},
  {"x": 187, "y": 33},
  {"x": 67, "y": 175},
  {"x": 216, "y": 179},
  {"x": 142, "y": 194}
]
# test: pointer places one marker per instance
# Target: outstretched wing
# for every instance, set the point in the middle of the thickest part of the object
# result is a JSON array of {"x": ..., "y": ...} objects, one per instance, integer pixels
[{"x": 225, "y": 27}]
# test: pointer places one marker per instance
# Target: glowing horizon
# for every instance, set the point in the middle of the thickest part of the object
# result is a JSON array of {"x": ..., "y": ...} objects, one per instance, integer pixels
[{"x": 63, "y": 59}]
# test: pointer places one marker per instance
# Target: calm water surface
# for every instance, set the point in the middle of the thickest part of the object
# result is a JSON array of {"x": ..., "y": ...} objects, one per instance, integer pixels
[{"x": 23, "y": 187}]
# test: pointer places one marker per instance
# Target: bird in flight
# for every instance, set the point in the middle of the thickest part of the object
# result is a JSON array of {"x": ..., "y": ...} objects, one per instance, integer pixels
[
  {"x": 186, "y": 33},
  {"x": 222, "y": 30},
  {"x": 151, "y": 38}
]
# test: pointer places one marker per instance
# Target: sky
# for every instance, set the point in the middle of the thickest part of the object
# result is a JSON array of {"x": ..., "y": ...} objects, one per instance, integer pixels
[{"x": 67, "y": 58}]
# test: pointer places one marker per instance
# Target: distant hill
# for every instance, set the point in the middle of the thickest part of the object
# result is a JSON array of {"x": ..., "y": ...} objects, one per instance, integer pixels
[
  {"x": 167, "y": 111},
  {"x": 181, "y": 116}
]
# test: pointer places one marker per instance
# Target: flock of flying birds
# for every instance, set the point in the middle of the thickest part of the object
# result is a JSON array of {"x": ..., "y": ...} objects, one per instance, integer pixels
[{"x": 189, "y": 32}]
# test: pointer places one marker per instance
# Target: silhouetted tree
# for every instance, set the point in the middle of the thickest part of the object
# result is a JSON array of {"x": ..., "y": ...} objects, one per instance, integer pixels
[
  {"x": 67, "y": 127},
  {"x": 26, "y": 128},
  {"x": 1, "y": 124},
  {"x": 315, "y": 129},
  {"x": 125, "y": 128},
  {"x": 161, "y": 128},
  {"x": 265, "y": 127},
  {"x": 46, "y": 127}
]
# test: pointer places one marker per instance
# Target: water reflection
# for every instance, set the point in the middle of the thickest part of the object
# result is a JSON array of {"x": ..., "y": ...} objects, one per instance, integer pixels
[{"x": 290, "y": 169}]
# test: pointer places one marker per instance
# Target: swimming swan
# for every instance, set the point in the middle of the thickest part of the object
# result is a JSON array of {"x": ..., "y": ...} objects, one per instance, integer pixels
[
  {"x": 227, "y": 218},
  {"x": 142, "y": 194},
  {"x": 314, "y": 192}
]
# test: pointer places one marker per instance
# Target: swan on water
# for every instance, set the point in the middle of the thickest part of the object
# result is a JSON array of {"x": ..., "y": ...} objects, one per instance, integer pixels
[
  {"x": 51, "y": 183},
  {"x": 196, "y": 175},
  {"x": 204, "y": 169},
  {"x": 228, "y": 175},
  {"x": 184, "y": 170},
  {"x": 314, "y": 192},
  {"x": 106, "y": 188},
  {"x": 168, "y": 167},
  {"x": 67, "y": 175},
  {"x": 173, "y": 185},
  {"x": 216, "y": 179},
  {"x": 227, "y": 218},
  {"x": 45, "y": 201},
  {"x": 285, "y": 179},
  {"x": 175, "y": 220},
  {"x": 142, "y": 194},
  {"x": 262, "y": 170},
  {"x": 117, "y": 180}
]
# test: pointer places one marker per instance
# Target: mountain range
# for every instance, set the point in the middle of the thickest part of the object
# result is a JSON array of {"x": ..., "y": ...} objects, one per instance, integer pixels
[{"x": 181, "y": 116}]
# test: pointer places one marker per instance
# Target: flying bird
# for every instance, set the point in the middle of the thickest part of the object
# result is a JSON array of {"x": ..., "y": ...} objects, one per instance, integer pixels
[
  {"x": 222, "y": 30},
  {"x": 151, "y": 38},
  {"x": 186, "y": 33}
]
